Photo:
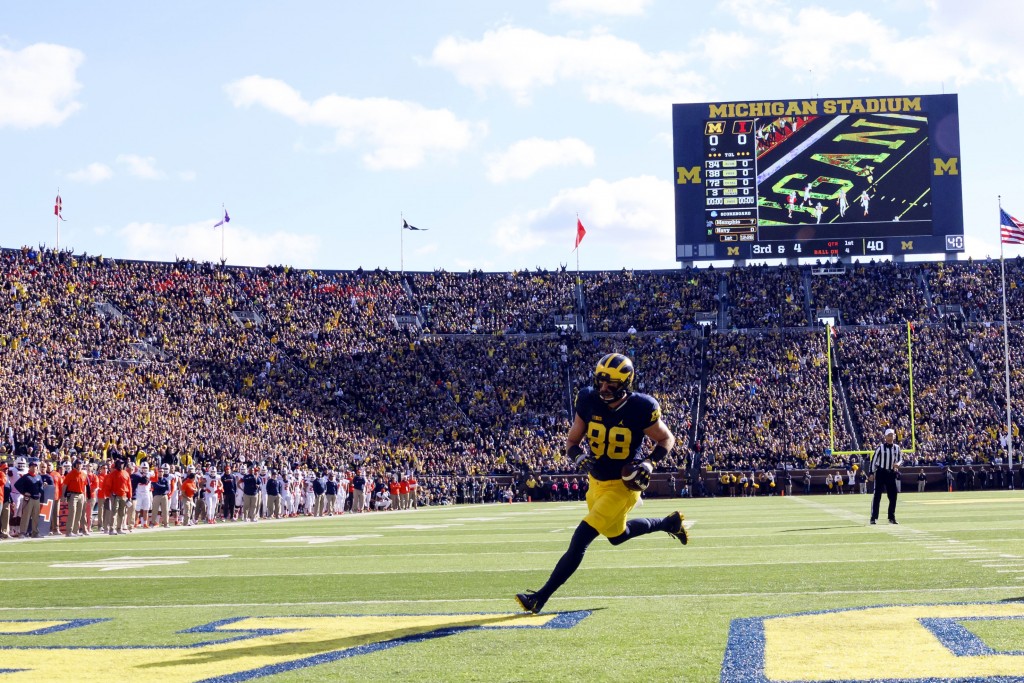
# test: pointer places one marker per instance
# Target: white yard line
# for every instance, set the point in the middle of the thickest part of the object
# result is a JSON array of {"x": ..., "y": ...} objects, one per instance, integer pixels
[
  {"x": 948, "y": 548},
  {"x": 508, "y": 599},
  {"x": 497, "y": 570}
]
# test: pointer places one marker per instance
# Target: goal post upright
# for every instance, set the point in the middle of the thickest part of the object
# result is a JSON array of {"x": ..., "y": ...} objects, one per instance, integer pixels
[{"x": 910, "y": 372}]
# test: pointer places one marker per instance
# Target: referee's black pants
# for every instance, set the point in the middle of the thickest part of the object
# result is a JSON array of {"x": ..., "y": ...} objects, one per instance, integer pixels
[{"x": 884, "y": 479}]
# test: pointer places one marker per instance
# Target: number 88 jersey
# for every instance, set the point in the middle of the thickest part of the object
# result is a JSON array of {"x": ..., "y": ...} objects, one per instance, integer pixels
[{"x": 615, "y": 434}]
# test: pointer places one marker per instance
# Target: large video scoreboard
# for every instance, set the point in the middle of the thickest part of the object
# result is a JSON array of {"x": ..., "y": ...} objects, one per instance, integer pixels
[{"x": 854, "y": 177}]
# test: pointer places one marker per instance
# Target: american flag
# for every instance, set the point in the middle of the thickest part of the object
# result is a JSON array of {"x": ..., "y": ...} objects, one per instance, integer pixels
[
  {"x": 1011, "y": 229},
  {"x": 57, "y": 207}
]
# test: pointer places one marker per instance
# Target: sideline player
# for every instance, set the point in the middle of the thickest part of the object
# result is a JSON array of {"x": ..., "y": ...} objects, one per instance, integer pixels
[{"x": 614, "y": 419}]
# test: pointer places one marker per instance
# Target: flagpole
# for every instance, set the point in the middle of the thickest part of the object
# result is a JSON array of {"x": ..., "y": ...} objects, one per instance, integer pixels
[
  {"x": 577, "y": 252},
  {"x": 223, "y": 227},
  {"x": 1006, "y": 344},
  {"x": 401, "y": 244},
  {"x": 56, "y": 219}
]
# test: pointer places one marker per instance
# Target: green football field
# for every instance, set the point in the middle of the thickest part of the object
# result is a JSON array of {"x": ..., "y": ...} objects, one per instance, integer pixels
[{"x": 795, "y": 589}]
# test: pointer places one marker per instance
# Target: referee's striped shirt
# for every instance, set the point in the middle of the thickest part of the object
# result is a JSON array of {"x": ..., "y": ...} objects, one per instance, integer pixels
[{"x": 886, "y": 457}]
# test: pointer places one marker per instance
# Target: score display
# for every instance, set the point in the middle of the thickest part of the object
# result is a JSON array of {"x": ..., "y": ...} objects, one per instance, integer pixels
[
  {"x": 730, "y": 174},
  {"x": 817, "y": 178}
]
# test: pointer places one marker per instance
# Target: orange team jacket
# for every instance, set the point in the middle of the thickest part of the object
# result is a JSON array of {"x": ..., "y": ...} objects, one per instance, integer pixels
[
  {"x": 120, "y": 483},
  {"x": 103, "y": 489},
  {"x": 403, "y": 487},
  {"x": 75, "y": 482},
  {"x": 3, "y": 483},
  {"x": 57, "y": 482},
  {"x": 94, "y": 484},
  {"x": 188, "y": 487},
  {"x": 393, "y": 488}
]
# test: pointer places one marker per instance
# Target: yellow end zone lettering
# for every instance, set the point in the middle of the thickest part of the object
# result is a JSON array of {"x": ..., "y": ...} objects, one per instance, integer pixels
[
  {"x": 237, "y": 649},
  {"x": 912, "y": 642}
]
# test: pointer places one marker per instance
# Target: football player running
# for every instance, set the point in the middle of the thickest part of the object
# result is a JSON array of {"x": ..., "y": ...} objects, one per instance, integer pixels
[{"x": 614, "y": 419}]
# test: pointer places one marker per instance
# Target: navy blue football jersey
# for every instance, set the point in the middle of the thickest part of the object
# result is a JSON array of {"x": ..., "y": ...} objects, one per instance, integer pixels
[{"x": 615, "y": 435}]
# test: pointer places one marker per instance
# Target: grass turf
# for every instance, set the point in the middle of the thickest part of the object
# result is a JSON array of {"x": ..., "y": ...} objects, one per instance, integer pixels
[{"x": 657, "y": 610}]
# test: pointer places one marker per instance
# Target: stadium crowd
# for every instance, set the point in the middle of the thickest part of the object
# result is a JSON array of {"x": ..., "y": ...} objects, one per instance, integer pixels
[{"x": 456, "y": 379}]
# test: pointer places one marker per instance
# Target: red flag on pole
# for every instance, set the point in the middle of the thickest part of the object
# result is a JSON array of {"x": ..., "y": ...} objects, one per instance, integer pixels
[
  {"x": 57, "y": 208},
  {"x": 580, "y": 232}
]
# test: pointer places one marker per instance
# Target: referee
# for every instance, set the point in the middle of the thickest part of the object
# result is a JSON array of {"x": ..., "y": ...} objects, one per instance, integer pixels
[{"x": 884, "y": 469}]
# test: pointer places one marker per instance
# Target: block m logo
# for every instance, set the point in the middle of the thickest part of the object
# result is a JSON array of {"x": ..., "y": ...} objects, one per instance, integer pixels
[
  {"x": 714, "y": 128},
  {"x": 685, "y": 175},
  {"x": 946, "y": 166}
]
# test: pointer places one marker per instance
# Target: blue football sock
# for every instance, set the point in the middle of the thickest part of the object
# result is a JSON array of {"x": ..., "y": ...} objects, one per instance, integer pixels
[
  {"x": 570, "y": 561},
  {"x": 640, "y": 527}
]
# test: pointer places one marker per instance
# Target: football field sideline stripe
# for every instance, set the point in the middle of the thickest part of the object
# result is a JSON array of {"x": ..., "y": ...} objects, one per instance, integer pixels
[{"x": 509, "y": 598}]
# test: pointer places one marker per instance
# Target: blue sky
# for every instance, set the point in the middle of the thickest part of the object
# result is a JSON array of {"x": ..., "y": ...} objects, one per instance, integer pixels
[{"x": 320, "y": 124}]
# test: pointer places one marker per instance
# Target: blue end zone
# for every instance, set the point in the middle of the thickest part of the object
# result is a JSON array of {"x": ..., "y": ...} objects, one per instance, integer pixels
[
  {"x": 564, "y": 620},
  {"x": 961, "y": 642},
  {"x": 744, "y": 660}
]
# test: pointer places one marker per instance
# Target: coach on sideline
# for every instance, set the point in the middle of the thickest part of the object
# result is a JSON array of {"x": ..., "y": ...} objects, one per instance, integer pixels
[{"x": 884, "y": 469}]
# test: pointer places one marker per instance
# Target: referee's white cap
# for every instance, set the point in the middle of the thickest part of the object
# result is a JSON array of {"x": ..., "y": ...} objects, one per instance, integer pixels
[{"x": 888, "y": 432}]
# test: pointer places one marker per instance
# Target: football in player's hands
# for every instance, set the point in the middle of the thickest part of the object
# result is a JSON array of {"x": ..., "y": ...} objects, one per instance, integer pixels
[{"x": 636, "y": 475}]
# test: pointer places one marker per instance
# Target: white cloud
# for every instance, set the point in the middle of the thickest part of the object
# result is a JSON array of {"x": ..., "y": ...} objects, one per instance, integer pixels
[
  {"x": 981, "y": 246},
  {"x": 628, "y": 218},
  {"x": 727, "y": 50},
  {"x": 524, "y": 158},
  {"x": 158, "y": 242},
  {"x": 956, "y": 44},
  {"x": 607, "y": 69},
  {"x": 93, "y": 173},
  {"x": 141, "y": 167},
  {"x": 992, "y": 46},
  {"x": 400, "y": 134},
  {"x": 38, "y": 85},
  {"x": 621, "y": 8}
]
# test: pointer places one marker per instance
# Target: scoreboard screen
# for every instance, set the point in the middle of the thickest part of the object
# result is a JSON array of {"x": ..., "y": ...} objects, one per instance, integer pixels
[{"x": 853, "y": 177}]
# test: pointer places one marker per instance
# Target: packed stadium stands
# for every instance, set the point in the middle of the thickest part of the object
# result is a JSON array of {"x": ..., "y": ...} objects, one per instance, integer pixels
[{"x": 457, "y": 376}]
